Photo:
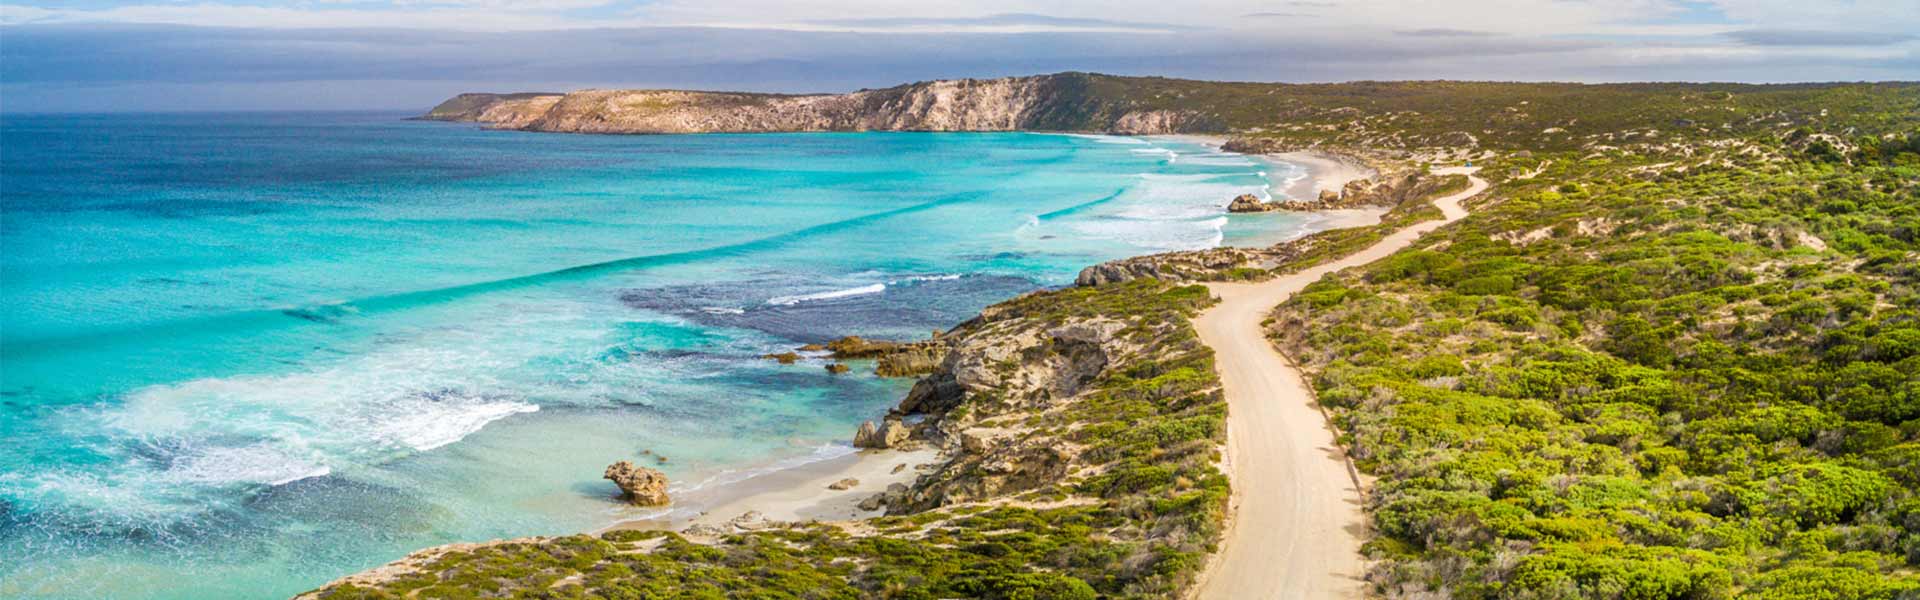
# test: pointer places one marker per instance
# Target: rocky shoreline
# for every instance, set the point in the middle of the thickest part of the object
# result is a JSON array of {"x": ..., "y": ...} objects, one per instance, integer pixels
[{"x": 972, "y": 431}]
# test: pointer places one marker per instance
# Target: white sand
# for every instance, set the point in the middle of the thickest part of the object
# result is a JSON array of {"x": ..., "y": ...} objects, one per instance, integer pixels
[
  {"x": 1325, "y": 171},
  {"x": 795, "y": 494},
  {"x": 1296, "y": 522}
]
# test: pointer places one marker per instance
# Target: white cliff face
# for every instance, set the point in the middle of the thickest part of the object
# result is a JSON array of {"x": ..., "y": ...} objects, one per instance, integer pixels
[
  {"x": 1009, "y": 104},
  {"x": 961, "y": 105},
  {"x": 517, "y": 111}
]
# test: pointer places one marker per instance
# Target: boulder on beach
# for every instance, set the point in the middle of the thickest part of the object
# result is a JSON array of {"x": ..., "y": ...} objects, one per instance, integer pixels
[
  {"x": 844, "y": 484},
  {"x": 889, "y": 433},
  {"x": 1248, "y": 203},
  {"x": 640, "y": 485}
]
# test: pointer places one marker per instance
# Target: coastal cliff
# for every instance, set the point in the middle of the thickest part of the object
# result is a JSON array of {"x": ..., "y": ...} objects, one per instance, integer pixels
[{"x": 1059, "y": 102}]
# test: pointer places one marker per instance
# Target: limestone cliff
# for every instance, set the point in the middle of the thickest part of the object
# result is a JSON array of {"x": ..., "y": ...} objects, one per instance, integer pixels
[{"x": 1060, "y": 102}]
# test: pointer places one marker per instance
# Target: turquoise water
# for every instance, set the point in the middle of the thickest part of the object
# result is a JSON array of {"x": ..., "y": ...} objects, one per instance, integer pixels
[{"x": 241, "y": 355}]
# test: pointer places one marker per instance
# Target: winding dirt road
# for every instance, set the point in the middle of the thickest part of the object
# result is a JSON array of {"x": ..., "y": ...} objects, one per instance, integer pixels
[{"x": 1296, "y": 522}]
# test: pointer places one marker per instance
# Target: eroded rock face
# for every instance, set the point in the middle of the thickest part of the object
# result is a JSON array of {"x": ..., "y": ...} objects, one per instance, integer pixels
[
  {"x": 640, "y": 485},
  {"x": 1162, "y": 122},
  {"x": 1003, "y": 362}
]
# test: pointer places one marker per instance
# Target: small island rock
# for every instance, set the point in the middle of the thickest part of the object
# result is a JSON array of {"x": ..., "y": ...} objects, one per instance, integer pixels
[{"x": 640, "y": 485}]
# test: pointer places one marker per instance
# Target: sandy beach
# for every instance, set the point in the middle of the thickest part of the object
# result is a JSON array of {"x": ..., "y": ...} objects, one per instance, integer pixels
[
  {"x": 799, "y": 493},
  {"x": 1325, "y": 171}
]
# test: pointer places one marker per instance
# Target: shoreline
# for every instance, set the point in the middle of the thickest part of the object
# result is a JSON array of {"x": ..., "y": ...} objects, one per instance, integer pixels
[
  {"x": 797, "y": 493},
  {"x": 800, "y": 493},
  {"x": 781, "y": 491},
  {"x": 1326, "y": 171}
]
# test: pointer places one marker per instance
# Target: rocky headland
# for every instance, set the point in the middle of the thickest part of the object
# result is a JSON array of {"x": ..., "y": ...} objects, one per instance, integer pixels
[{"x": 1058, "y": 102}]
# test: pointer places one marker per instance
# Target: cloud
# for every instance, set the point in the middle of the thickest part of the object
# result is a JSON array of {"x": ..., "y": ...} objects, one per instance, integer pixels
[
  {"x": 1001, "y": 23},
  {"x": 212, "y": 55},
  {"x": 1445, "y": 33},
  {"x": 1807, "y": 37}
]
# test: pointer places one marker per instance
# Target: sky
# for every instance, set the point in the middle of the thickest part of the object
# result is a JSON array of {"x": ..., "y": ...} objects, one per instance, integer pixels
[{"x": 193, "y": 55}]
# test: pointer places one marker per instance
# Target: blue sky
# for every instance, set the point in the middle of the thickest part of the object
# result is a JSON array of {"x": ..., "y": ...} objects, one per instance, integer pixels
[{"x": 408, "y": 54}]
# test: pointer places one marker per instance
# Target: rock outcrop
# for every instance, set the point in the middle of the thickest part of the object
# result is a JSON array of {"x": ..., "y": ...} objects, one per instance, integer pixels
[
  {"x": 640, "y": 485},
  {"x": 1248, "y": 203},
  {"x": 1058, "y": 102},
  {"x": 1003, "y": 362},
  {"x": 911, "y": 360},
  {"x": 1192, "y": 265},
  {"x": 892, "y": 359},
  {"x": 890, "y": 433}
]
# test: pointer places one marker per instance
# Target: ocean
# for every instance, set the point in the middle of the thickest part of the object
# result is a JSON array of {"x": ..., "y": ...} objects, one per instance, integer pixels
[{"x": 244, "y": 354}]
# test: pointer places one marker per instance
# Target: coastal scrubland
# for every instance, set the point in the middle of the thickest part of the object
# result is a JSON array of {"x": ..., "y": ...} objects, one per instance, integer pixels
[
  {"x": 1674, "y": 352},
  {"x": 1643, "y": 373}
]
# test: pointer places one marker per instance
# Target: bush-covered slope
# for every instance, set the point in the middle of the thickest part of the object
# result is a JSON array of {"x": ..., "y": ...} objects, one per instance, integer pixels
[{"x": 1643, "y": 373}]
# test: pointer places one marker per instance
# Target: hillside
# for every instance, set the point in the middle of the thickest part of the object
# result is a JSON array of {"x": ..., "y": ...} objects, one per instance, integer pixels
[
  {"x": 1064, "y": 102},
  {"x": 1672, "y": 353}
]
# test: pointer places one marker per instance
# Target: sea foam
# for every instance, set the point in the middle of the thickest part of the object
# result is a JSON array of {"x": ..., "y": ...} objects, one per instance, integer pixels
[{"x": 858, "y": 291}]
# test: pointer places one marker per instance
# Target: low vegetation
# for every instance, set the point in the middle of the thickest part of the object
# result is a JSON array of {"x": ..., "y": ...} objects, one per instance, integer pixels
[{"x": 1643, "y": 374}]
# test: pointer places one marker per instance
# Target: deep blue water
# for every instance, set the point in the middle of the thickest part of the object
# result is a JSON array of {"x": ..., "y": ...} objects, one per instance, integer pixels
[{"x": 241, "y": 355}]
